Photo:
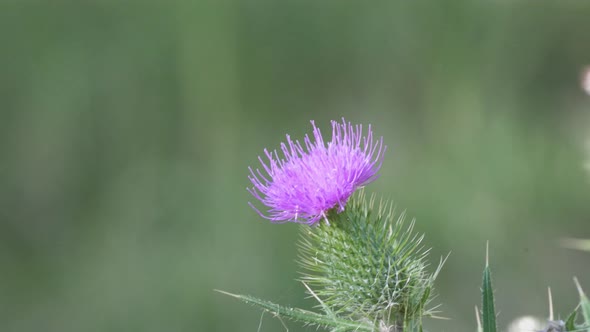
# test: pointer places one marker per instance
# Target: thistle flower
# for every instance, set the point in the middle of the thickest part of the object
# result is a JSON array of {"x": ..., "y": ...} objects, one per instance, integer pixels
[
  {"x": 364, "y": 267},
  {"x": 308, "y": 182}
]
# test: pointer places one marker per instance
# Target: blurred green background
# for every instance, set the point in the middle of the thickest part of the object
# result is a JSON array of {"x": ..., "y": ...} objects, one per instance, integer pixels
[{"x": 127, "y": 128}]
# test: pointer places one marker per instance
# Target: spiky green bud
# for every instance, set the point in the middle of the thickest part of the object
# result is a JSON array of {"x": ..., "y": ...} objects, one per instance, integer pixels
[{"x": 367, "y": 265}]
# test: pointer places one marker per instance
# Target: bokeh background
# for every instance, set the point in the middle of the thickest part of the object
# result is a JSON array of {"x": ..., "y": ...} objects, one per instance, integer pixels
[{"x": 127, "y": 128}]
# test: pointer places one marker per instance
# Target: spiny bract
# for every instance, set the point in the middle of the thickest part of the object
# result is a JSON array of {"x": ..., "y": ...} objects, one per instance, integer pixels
[{"x": 366, "y": 264}]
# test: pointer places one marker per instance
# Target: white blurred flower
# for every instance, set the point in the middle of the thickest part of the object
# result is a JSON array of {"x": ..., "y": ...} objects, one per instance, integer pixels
[
  {"x": 585, "y": 80},
  {"x": 526, "y": 324}
]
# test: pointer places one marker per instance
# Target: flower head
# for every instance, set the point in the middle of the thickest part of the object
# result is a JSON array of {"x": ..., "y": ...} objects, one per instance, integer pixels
[{"x": 308, "y": 182}]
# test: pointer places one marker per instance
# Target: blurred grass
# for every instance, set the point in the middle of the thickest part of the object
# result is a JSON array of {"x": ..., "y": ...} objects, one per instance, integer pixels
[{"x": 127, "y": 129}]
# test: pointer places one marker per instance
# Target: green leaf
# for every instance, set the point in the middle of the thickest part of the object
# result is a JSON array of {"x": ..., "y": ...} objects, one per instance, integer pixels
[
  {"x": 584, "y": 305},
  {"x": 570, "y": 323},
  {"x": 304, "y": 316},
  {"x": 488, "y": 311}
]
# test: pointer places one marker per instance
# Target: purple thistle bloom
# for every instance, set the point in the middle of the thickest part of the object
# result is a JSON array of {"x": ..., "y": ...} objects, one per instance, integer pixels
[{"x": 308, "y": 182}]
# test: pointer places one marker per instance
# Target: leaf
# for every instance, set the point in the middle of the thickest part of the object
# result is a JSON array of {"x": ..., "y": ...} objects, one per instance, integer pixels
[
  {"x": 570, "y": 323},
  {"x": 304, "y": 316},
  {"x": 584, "y": 305},
  {"x": 488, "y": 311}
]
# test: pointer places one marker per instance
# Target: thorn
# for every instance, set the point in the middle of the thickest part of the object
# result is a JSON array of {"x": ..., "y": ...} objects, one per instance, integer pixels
[
  {"x": 479, "y": 327},
  {"x": 550, "y": 303},
  {"x": 324, "y": 306},
  {"x": 260, "y": 323},
  {"x": 487, "y": 253},
  {"x": 326, "y": 218},
  {"x": 580, "y": 290},
  {"x": 226, "y": 293}
]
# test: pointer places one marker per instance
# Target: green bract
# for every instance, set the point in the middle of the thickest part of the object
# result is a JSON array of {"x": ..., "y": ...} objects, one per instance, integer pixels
[
  {"x": 366, "y": 269},
  {"x": 366, "y": 265}
]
